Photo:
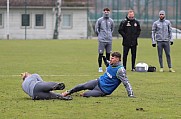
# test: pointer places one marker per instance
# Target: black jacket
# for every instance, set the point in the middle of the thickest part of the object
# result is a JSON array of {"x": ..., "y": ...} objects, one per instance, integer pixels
[{"x": 130, "y": 31}]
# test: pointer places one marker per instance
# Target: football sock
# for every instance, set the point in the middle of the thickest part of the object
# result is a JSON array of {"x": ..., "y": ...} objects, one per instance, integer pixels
[{"x": 100, "y": 60}]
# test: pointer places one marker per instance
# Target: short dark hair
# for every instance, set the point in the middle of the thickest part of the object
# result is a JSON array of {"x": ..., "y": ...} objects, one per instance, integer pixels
[
  {"x": 130, "y": 11},
  {"x": 106, "y": 9},
  {"x": 116, "y": 54}
]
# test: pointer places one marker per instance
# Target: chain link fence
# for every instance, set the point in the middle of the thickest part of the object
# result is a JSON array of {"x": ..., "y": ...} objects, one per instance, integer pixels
[
  {"x": 146, "y": 11},
  {"x": 46, "y": 19}
]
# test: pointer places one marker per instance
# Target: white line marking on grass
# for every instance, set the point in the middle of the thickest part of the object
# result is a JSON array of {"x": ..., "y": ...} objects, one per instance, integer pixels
[
  {"x": 52, "y": 75},
  {"x": 65, "y": 75}
]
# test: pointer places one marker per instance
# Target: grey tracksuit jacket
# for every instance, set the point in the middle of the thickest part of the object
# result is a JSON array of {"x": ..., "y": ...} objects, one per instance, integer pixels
[
  {"x": 161, "y": 31},
  {"x": 30, "y": 82},
  {"x": 104, "y": 28}
]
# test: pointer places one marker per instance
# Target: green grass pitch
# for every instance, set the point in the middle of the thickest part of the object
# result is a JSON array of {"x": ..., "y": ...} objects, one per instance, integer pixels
[{"x": 74, "y": 62}]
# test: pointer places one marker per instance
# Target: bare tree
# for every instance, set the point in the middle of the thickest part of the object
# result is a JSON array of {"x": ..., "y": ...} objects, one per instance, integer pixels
[{"x": 58, "y": 19}]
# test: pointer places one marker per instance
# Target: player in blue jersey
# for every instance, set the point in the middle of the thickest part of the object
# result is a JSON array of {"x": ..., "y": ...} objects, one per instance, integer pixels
[{"x": 108, "y": 82}]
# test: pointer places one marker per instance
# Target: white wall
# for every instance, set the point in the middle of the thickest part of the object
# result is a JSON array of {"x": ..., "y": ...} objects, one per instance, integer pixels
[
  {"x": 18, "y": 32},
  {"x": 79, "y": 29},
  {"x": 2, "y": 29}
]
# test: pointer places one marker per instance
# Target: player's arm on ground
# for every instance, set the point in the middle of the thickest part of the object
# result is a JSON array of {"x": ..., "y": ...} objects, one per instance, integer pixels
[{"x": 121, "y": 74}]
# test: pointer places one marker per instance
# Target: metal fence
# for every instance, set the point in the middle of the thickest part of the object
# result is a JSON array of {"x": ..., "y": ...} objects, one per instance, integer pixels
[{"x": 146, "y": 11}]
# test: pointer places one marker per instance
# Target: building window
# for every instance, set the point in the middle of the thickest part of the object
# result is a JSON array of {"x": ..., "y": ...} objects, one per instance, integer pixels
[
  {"x": 39, "y": 20},
  {"x": 1, "y": 20},
  {"x": 67, "y": 21},
  {"x": 25, "y": 20}
]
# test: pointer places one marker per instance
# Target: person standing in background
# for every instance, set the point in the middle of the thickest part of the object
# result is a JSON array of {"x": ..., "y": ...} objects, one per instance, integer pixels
[
  {"x": 162, "y": 35},
  {"x": 130, "y": 30},
  {"x": 104, "y": 28}
]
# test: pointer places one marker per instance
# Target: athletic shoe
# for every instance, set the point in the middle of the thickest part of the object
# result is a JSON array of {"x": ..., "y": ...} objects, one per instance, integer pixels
[
  {"x": 100, "y": 69},
  {"x": 82, "y": 94},
  {"x": 59, "y": 86},
  {"x": 171, "y": 70},
  {"x": 131, "y": 96},
  {"x": 161, "y": 70},
  {"x": 66, "y": 97},
  {"x": 133, "y": 70},
  {"x": 65, "y": 93}
]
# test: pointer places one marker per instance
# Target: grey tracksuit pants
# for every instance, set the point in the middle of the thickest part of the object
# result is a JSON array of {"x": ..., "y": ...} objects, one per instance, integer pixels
[
  {"x": 166, "y": 46},
  {"x": 93, "y": 89},
  {"x": 43, "y": 90}
]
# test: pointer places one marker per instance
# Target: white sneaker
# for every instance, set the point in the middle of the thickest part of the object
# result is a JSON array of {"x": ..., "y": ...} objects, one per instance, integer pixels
[
  {"x": 171, "y": 70},
  {"x": 100, "y": 69},
  {"x": 161, "y": 70}
]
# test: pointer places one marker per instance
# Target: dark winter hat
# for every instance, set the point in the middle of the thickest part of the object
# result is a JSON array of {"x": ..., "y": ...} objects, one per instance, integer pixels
[{"x": 162, "y": 12}]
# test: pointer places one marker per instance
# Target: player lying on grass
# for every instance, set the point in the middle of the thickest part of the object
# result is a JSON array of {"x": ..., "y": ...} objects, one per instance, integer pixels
[
  {"x": 37, "y": 89},
  {"x": 107, "y": 83}
]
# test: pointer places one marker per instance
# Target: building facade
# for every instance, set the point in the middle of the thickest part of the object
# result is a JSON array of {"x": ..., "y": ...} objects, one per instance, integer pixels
[{"x": 36, "y": 19}]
